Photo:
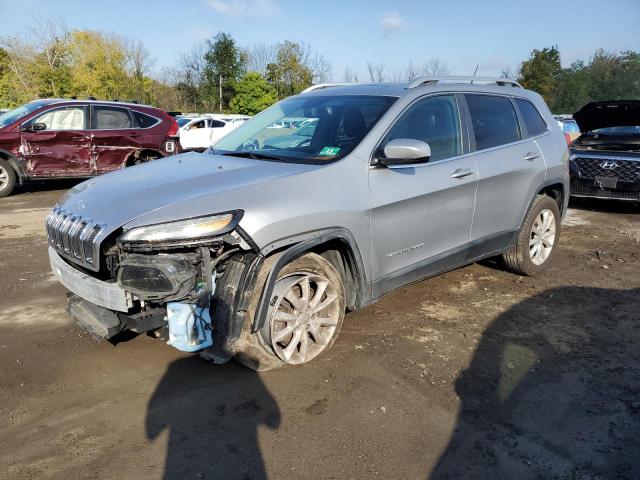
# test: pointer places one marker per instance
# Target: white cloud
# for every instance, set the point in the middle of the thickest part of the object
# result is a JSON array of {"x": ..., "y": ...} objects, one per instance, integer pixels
[
  {"x": 245, "y": 8},
  {"x": 201, "y": 33},
  {"x": 392, "y": 21}
]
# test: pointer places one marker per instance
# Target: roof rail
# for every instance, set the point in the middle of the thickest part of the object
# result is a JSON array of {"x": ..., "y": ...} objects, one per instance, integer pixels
[
  {"x": 325, "y": 85},
  {"x": 502, "y": 82}
]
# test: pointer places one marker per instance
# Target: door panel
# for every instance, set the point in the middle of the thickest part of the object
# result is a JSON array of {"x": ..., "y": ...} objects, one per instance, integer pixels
[
  {"x": 113, "y": 137},
  {"x": 419, "y": 213},
  {"x": 422, "y": 211},
  {"x": 62, "y": 149},
  {"x": 505, "y": 185},
  {"x": 508, "y": 168}
]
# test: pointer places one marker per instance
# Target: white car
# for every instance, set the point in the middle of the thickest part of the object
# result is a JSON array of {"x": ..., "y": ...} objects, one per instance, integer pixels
[{"x": 201, "y": 132}]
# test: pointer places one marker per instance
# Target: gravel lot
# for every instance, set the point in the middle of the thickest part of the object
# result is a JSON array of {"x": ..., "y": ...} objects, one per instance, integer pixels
[{"x": 474, "y": 374}]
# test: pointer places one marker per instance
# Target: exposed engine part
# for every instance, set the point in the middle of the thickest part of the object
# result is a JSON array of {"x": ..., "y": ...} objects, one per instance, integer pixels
[
  {"x": 160, "y": 277},
  {"x": 147, "y": 320}
]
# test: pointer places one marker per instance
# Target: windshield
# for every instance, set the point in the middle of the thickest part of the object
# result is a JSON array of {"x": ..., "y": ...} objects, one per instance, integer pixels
[
  {"x": 16, "y": 114},
  {"x": 309, "y": 129},
  {"x": 618, "y": 131},
  {"x": 183, "y": 121}
]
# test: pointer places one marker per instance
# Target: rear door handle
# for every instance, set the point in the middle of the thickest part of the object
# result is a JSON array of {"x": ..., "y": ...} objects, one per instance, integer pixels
[
  {"x": 531, "y": 156},
  {"x": 461, "y": 173}
]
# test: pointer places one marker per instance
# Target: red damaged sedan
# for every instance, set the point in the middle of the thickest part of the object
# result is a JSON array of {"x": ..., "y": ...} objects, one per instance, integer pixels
[{"x": 55, "y": 138}]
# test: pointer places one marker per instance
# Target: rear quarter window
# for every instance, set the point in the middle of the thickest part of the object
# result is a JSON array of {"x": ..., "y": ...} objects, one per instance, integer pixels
[
  {"x": 143, "y": 120},
  {"x": 532, "y": 119},
  {"x": 494, "y": 120}
]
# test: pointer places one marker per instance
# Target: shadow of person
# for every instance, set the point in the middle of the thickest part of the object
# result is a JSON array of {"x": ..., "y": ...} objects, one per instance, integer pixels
[
  {"x": 212, "y": 415},
  {"x": 552, "y": 392}
]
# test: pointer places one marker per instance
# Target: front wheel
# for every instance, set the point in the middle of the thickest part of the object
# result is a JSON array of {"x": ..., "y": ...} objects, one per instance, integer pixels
[
  {"x": 7, "y": 178},
  {"x": 537, "y": 239},
  {"x": 304, "y": 317}
]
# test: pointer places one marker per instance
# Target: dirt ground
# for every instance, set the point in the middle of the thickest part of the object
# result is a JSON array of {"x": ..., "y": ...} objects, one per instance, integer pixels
[{"x": 474, "y": 374}]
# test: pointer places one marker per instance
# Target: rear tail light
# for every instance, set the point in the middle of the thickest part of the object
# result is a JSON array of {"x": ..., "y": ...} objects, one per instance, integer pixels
[
  {"x": 567, "y": 138},
  {"x": 174, "y": 128}
]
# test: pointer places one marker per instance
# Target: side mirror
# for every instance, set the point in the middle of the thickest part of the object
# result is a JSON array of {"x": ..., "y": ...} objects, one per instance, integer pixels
[
  {"x": 35, "y": 127},
  {"x": 404, "y": 151}
]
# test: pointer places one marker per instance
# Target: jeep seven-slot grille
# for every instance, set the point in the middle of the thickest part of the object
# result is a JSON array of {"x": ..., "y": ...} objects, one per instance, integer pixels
[
  {"x": 624, "y": 170},
  {"x": 74, "y": 237}
]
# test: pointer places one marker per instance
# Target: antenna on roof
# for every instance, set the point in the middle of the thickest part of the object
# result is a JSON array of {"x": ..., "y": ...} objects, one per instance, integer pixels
[
  {"x": 73, "y": 97},
  {"x": 91, "y": 97},
  {"x": 475, "y": 71}
]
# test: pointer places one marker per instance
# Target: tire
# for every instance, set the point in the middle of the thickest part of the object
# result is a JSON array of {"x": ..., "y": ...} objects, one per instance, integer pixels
[
  {"x": 267, "y": 349},
  {"x": 7, "y": 178},
  {"x": 534, "y": 248}
]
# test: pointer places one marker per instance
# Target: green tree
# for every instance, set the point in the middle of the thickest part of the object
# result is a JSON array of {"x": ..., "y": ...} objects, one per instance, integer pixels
[
  {"x": 573, "y": 88},
  {"x": 289, "y": 75},
  {"x": 223, "y": 67},
  {"x": 253, "y": 94},
  {"x": 542, "y": 72}
]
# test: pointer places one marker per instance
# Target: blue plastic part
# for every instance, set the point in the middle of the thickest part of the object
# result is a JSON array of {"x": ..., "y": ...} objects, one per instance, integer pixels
[{"x": 190, "y": 327}]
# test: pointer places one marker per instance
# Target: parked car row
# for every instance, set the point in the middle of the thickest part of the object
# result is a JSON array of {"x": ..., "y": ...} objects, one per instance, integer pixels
[
  {"x": 320, "y": 205},
  {"x": 257, "y": 248},
  {"x": 199, "y": 133}
]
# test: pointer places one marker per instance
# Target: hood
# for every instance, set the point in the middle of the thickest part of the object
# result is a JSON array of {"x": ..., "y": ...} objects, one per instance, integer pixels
[
  {"x": 181, "y": 186},
  {"x": 614, "y": 113}
]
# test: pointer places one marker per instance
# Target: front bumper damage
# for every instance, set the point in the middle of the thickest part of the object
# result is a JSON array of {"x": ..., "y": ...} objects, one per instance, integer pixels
[{"x": 195, "y": 298}]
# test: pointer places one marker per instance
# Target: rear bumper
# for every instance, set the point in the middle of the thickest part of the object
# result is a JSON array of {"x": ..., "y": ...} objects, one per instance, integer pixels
[{"x": 107, "y": 295}]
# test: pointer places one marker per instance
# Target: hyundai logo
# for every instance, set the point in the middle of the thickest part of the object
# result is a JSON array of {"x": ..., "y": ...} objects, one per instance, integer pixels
[{"x": 609, "y": 165}]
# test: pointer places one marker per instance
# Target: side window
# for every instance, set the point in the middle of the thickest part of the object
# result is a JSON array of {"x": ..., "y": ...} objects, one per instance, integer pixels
[
  {"x": 143, "y": 120},
  {"x": 494, "y": 120},
  {"x": 67, "y": 118},
  {"x": 198, "y": 125},
  {"x": 217, "y": 124},
  {"x": 110, "y": 118},
  {"x": 531, "y": 117},
  {"x": 434, "y": 120}
]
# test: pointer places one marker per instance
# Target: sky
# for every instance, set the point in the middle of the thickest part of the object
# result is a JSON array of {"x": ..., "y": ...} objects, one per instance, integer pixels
[{"x": 490, "y": 34}]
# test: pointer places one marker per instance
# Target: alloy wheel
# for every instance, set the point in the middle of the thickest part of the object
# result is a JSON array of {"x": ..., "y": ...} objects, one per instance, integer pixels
[
  {"x": 543, "y": 236},
  {"x": 4, "y": 177},
  {"x": 304, "y": 318}
]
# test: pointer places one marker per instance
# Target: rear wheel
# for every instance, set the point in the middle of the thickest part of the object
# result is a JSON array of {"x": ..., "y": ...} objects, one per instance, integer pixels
[
  {"x": 537, "y": 238},
  {"x": 303, "y": 320},
  {"x": 7, "y": 178}
]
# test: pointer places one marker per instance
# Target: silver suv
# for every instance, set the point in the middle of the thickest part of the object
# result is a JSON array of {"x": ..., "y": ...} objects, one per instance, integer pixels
[{"x": 255, "y": 249}]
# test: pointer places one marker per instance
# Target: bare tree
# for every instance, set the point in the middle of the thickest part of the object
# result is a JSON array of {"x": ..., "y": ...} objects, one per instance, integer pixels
[
  {"x": 260, "y": 55},
  {"x": 138, "y": 64},
  {"x": 376, "y": 72},
  {"x": 506, "y": 73},
  {"x": 411, "y": 73},
  {"x": 42, "y": 48},
  {"x": 350, "y": 76},
  {"x": 435, "y": 67},
  {"x": 315, "y": 61}
]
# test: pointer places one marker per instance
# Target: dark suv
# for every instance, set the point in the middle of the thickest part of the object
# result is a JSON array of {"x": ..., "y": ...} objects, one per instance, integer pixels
[
  {"x": 605, "y": 159},
  {"x": 57, "y": 138}
]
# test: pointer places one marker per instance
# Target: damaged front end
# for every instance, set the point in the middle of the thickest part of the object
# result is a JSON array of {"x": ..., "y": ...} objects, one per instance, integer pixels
[{"x": 167, "y": 279}]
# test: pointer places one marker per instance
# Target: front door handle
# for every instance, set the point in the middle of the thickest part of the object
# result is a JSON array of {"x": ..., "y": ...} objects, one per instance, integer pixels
[
  {"x": 531, "y": 156},
  {"x": 461, "y": 173}
]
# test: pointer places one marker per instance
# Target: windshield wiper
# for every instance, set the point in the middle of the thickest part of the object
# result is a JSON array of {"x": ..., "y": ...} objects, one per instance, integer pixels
[{"x": 252, "y": 154}]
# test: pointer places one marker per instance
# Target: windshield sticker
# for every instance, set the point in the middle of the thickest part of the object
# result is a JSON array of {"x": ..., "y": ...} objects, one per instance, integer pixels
[{"x": 329, "y": 151}]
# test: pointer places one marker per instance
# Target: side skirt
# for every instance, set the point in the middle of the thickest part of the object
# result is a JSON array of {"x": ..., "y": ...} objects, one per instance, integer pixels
[{"x": 444, "y": 262}]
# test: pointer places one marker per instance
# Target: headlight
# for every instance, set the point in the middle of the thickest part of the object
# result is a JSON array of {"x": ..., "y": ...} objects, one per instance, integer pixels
[{"x": 194, "y": 229}]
